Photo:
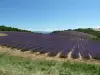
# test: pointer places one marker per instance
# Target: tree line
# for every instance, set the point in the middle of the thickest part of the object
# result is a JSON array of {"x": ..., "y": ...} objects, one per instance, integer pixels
[{"x": 5, "y": 28}]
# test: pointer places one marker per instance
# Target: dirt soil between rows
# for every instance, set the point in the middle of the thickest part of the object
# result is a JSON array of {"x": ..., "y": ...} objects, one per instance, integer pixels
[
  {"x": 30, "y": 55},
  {"x": 2, "y": 34}
]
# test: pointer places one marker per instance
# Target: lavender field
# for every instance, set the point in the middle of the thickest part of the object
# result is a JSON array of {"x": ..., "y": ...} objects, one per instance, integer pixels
[{"x": 68, "y": 44}]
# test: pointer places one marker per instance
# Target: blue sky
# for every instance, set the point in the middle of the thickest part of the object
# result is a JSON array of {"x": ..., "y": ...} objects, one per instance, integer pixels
[{"x": 49, "y": 15}]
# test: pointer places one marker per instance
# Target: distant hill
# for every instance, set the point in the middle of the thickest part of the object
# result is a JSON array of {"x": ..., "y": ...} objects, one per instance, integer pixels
[
  {"x": 92, "y": 31},
  {"x": 96, "y": 29},
  {"x": 86, "y": 30},
  {"x": 5, "y": 28},
  {"x": 43, "y": 32},
  {"x": 89, "y": 31}
]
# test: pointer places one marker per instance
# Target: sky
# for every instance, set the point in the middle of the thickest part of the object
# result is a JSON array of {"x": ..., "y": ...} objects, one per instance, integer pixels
[{"x": 50, "y": 15}]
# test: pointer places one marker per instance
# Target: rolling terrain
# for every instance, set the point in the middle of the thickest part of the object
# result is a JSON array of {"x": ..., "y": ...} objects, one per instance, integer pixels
[
  {"x": 75, "y": 52},
  {"x": 67, "y": 44}
]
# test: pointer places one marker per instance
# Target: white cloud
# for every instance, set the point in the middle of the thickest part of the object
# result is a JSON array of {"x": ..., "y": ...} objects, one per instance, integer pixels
[
  {"x": 92, "y": 26},
  {"x": 98, "y": 27},
  {"x": 53, "y": 29},
  {"x": 30, "y": 29}
]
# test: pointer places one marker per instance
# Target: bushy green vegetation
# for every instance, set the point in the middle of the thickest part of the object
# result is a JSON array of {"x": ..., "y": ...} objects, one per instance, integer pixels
[
  {"x": 5, "y": 28},
  {"x": 14, "y": 65},
  {"x": 85, "y": 30},
  {"x": 89, "y": 31}
]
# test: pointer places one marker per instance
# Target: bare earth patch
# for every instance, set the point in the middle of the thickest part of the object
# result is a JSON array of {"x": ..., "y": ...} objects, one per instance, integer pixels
[
  {"x": 2, "y": 34},
  {"x": 37, "y": 55}
]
